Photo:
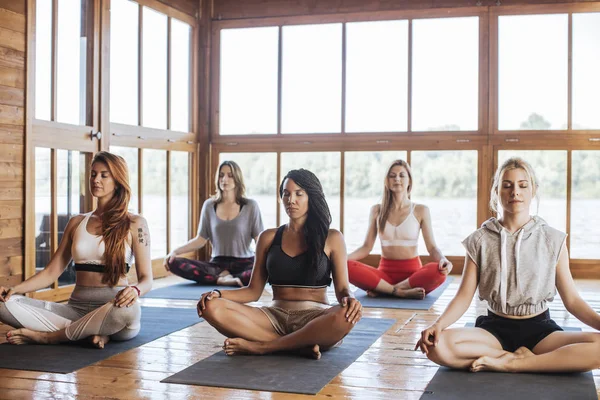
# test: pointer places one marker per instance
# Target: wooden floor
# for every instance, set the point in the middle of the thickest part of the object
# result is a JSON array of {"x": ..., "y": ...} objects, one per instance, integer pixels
[{"x": 389, "y": 369}]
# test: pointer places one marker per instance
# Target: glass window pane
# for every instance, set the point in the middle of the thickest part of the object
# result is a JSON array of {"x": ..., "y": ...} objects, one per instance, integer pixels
[
  {"x": 532, "y": 72},
  {"x": 155, "y": 199},
  {"x": 445, "y": 74},
  {"x": 43, "y": 59},
  {"x": 248, "y": 81},
  {"x": 124, "y": 42},
  {"x": 154, "y": 69},
  {"x": 312, "y": 79},
  {"x": 327, "y": 167},
  {"x": 446, "y": 182},
  {"x": 260, "y": 177},
  {"x": 376, "y": 76},
  {"x": 550, "y": 168},
  {"x": 130, "y": 155},
  {"x": 70, "y": 197},
  {"x": 180, "y": 198},
  {"x": 586, "y": 64},
  {"x": 43, "y": 200},
  {"x": 364, "y": 176},
  {"x": 180, "y": 75},
  {"x": 71, "y": 56},
  {"x": 585, "y": 203}
]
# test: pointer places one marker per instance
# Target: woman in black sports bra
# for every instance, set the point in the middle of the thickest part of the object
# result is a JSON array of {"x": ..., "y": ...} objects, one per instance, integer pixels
[{"x": 298, "y": 259}]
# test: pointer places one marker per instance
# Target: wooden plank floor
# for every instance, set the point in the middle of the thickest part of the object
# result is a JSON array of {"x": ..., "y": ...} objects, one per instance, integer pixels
[{"x": 389, "y": 369}]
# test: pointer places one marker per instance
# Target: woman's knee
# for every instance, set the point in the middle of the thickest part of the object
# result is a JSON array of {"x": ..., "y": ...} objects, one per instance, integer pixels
[
  {"x": 213, "y": 310},
  {"x": 125, "y": 315},
  {"x": 442, "y": 352},
  {"x": 341, "y": 322}
]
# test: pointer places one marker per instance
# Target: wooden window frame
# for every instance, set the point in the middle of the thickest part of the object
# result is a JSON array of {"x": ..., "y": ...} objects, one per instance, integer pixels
[{"x": 487, "y": 140}]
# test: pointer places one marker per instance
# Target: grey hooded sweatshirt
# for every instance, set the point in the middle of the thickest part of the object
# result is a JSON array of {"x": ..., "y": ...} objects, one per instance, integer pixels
[{"x": 516, "y": 271}]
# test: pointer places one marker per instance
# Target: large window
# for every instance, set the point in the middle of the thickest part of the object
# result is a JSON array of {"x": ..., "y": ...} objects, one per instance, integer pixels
[
  {"x": 248, "y": 84},
  {"x": 586, "y": 64},
  {"x": 445, "y": 74},
  {"x": 179, "y": 198},
  {"x": 154, "y": 195},
  {"x": 585, "y": 203},
  {"x": 131, "y": 157},
  {"x": 446, "y": 182},
  {"x": 364, "y": 176},
  {"x": 532, "y": 72},
  {"x": 260, "y": 178}
]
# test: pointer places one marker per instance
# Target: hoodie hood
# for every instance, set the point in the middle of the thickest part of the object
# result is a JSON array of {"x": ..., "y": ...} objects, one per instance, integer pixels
[{"x": 525, "y": 232}]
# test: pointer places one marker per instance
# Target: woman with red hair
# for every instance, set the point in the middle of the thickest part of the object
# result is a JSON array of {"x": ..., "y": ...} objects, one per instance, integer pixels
[
  {"x": 398, "y": 221},
  {"x": 103, "y": 245}
]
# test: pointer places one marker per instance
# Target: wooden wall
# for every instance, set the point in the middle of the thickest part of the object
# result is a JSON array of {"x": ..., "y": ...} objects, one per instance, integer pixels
[
  {"x": 12, "y": 121},
  {"x": 190, "y": 7},
  {"x": 233, "y": 9}
]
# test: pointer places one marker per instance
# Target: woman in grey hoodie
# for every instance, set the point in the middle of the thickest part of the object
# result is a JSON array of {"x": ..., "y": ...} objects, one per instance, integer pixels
[{"x": 517, "y": 262}]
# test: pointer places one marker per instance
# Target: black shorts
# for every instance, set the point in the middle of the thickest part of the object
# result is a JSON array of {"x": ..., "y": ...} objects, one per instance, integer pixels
[{"x": 515, "y": 333}]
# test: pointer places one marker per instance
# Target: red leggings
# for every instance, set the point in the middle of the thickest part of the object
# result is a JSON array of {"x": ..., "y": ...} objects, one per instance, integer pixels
[{"x": 394, "y": 271}]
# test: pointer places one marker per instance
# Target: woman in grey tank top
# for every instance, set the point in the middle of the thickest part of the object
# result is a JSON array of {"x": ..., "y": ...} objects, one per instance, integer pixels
[
  {"x": 230, "y": 221},
  {"x": 517, "y": 262}
]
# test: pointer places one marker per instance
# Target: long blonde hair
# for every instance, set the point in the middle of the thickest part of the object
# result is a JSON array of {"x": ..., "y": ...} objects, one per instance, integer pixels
[
  {"x": 387, "y": 199},
  {"x": 115, "y": 219},
  {"x": 238, "y": 178},
  {"x": 511, "y": 163}
]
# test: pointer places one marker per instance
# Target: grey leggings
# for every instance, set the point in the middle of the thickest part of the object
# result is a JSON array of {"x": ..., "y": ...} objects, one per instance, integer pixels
[{"x": 90, "y": 311}]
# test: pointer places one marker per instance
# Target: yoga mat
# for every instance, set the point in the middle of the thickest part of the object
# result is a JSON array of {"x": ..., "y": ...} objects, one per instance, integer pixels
[
  {"x": 396, "y": 302},
  {"x": 183, "y": 291},
  {"x": 282, "y": 372},
  {"x": 68, "y": 357},
  {"x": 449, "y": 384}
]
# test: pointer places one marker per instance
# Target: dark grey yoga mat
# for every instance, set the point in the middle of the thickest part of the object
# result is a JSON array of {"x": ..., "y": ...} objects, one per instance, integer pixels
[
  {"x": 449, "y": 384},
  {"x": 183, "y": 291},
  {"x": 283, "y": 373},
  {"x": 395, "y": 302},
  {"x": 68, "y": 357}
]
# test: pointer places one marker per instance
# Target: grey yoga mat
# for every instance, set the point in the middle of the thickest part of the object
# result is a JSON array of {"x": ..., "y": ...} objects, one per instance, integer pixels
[
  {"x": 449, "y": 384},
  {"x": 68, "y": 357},
  {"x": 395, "y": 302},
  {"x": 183, "y": 291},
  {"x": 283, "y": 372}
]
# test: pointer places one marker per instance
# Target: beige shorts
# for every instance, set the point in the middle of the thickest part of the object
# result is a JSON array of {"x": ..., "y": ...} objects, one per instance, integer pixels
[{"x": 286, "y": 321}]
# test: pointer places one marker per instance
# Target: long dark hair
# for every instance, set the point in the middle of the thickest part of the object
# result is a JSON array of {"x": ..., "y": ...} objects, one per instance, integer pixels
[
  {"x": 318, "y": 220},
  {"x": 115, "y": 220}
]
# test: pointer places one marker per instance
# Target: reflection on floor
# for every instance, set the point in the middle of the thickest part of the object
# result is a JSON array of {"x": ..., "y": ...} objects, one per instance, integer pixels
[{"x": 389, "y": 369}]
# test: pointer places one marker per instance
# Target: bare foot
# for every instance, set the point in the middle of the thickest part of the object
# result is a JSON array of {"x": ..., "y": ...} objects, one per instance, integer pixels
[
  {"x": 236, "y": 346},
  {"x": 24, "y": 336},
  {"x": 99, "y": 341},
  {"x": 413, "y": 293},
  {"x": 500, "y": 364},
  {"x": 310, "y": 352},
  {"x": 229, "y": 280},
  {"x": 372, "y": 293},
  {"x": 523, "y": 352}
]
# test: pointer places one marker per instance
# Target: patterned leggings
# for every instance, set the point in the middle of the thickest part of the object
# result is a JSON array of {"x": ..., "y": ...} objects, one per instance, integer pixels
[{"x": 207, "y": 272}]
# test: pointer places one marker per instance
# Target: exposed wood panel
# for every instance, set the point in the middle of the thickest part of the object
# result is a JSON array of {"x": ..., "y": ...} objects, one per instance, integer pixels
[
  {"x": 17, "y": 6},
  {"x": 12, "y": 96},
  {"x": 10, "y": 280},
  {"x": 12, "y": 115},
  {"x": 11, "y": 247},
  {"x": 11, "y": 228},
  {"x": 12, "y": 39},
  {"x": 12, "y": 153},
  {"x": 11, "y": 190},
  {"x": 12, "y": 58},
  {"x": 12, "y": 77},
  {"x": 189, "y": 7},
  {"x": 11, "y": 210},
  {"x": 233, "y": 9},
  {"x": 11, "y": 171},
  {"x": 11, "y": 134},
  {"x": 11, "y": 20},
  {"x": 11, "y": 265}
]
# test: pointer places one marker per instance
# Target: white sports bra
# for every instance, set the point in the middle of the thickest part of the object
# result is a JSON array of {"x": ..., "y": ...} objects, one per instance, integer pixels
[
  {"x": 89, "y": 249},
  {"x": 405, "y": 234}
]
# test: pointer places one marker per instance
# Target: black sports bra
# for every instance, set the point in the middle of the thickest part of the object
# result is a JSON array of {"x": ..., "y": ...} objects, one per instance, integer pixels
[{"x": 284, "y": 270}]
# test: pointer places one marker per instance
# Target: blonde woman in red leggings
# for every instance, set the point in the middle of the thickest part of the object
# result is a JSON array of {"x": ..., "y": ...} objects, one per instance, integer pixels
[{"x": 398, "y": 221}]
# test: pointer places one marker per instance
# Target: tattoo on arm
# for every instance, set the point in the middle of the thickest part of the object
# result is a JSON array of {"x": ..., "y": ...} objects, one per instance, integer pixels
[{"x": 143, "y": 234}]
